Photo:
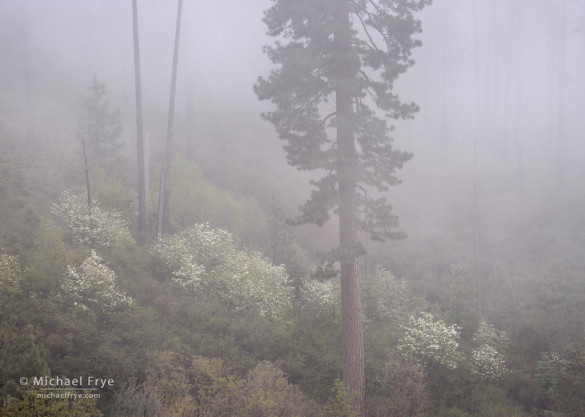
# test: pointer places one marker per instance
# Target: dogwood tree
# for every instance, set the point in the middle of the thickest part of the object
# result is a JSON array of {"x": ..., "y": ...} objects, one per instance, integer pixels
[
  {"x": 93, "y": 287},
  {"x": 10, "y": 275},
  {"x": 97, "y": 229},
  {"x": 206, "y": 260},
  {"x": 428, "y": 341},
  {"x": 487, "y": 358}
]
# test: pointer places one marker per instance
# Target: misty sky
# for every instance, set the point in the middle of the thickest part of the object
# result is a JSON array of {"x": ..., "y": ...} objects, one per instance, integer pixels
[{"x": 499, "y": 77}]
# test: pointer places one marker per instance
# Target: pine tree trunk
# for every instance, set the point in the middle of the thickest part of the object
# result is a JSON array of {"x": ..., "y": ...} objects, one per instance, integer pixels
[
  {"x": 87, "y": 182},
  {"x": 352, "y": 344},
  {"x": 170, "y": 132},
  {"x": 140, "y": 137}
]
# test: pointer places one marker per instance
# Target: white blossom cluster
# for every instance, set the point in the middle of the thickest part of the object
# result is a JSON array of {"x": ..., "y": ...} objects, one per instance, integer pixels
[
  {"x": 554, "y": 360},
  {"x": 93, "y": 286},
  {"x": 206, "y": 260},
  {"x": 10, "y": 274},
  {"x": 320, "y": 297},
  {"x": 487, "y": 361},
  {"x": 427, "y": 341},
  {"x": 387, "y": 295},
  {"x": 99, "y": 228}
]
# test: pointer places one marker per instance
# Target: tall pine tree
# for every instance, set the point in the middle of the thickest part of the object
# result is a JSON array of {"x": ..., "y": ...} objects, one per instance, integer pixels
[{"x": 337, "y": 61}]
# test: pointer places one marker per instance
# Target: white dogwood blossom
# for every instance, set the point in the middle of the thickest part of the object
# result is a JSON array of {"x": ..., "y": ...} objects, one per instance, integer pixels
[
  {"x": 98, "y": 228},
  {"x": 206, "y": 260},
  {"x": 487, "y": 360},
  {"x": 387, "y": 297},
  {"x": 10, "y": 275},
  {"x": 487, "y": 363},
  {"x": 93, "y": 286},
  {"x": 428, "y": 341},
  {"x": 320, "y": 297}
]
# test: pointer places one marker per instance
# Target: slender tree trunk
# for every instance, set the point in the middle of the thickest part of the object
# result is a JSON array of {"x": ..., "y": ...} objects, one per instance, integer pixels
[
  {"x": 561, "y": 131},
  {"x": 352, "y": 344},
  {"x": 518, "y": 103},
  {"x": 28, "y": 78},
  {"x": 475, "y": 143},
  {"x": 87, "y": 184},
  {"x": 161, "y": 193},
  {"x": 170, "y": 131},
  {"x": 140, "y": 138},
  {"x": 444, "y": 102}
]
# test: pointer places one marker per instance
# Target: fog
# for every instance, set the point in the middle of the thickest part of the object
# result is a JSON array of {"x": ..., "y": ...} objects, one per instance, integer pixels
[
  {"x": 233, "y": 300},
  {"x": 498, "y": 84}
]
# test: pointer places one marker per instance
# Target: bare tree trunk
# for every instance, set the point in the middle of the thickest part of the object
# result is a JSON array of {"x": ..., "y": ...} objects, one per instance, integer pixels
[
  {"x": 444, "y": 102},
  {"x": 28, "y": 79},
  {"x": 352, "y": 343},
  {"x": 87, "y": 178},
  {"x": 161, "y": 193},
  {"x": 475, "y": 141},
  {"x": 164, "y": 228},
  {"x": 140, "y": 138},
  {"x": 517, "y": 53},
  {"x": 561, "y": 131}
]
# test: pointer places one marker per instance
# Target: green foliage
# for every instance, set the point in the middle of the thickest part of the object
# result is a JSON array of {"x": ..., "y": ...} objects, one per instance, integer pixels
[
  {"x": 20, "y": 355},
  {"x": 204, "y": 387},
  {"x": 401, "y": 389},
  {"x": 283, "y": 249},
  {"x": 30, "y": 403},
  {"x": 483, "y": 401},
  {"x": 340, "y": 404},
  {"x": 312, "y": 67},
  {"x": 195, "y": 200},
  {"x": 47, "y": 261},
  {"x": 549, "y": 368},
  {"x": 571, "y": 397},
  {"x": 100, "y": 127},
  {"x": 19, "y": 214},
  {"x": 264, "y": 392},
  {"x": 135, "y": 400},
  {"x": 111, "y": 192}
]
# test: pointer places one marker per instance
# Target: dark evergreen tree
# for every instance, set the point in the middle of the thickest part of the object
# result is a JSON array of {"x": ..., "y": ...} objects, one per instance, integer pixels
[
  {"x": 337, "y": 61},
  {"x": 99, "y": 130},
  {"x": 100, "y": 127}
]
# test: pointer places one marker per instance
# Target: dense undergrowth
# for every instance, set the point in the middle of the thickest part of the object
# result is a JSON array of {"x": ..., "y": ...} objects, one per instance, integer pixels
[{"x": 224, "y": 318}]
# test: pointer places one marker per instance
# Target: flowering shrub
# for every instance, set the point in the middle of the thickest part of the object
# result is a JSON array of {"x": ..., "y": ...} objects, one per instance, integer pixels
[
  {"x": 428, "y": 341},
  {"x": 550, "y": 368},
  {"x": 202, "y": 259},
  {"x": 10, "y": 275},
  {"x": 94, "y": 287},
  {"x": 320, "y": 297},
  {"x": 387, "y": 296},
  {"x": 487, "y": 361},
  {"x": 251, "y": 282},
  {"x": 98, "y": 229}
]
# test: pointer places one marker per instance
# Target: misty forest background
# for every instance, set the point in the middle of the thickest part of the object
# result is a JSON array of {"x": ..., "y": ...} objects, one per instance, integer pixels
[{"x": 480, "y": 311}]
